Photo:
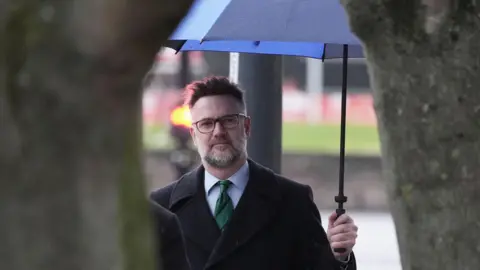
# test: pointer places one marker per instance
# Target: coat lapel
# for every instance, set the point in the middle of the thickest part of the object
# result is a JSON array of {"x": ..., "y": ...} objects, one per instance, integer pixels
[
  {"x": 189, "y": 203},
  {"x": 256, "y": 208}
]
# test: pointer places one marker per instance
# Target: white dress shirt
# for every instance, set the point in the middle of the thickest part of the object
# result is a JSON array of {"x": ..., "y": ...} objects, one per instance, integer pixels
[{"x": 239, "y": 181}]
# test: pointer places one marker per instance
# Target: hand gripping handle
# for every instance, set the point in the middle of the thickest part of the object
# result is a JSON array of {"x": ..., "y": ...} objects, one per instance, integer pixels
[{"x": 340, "y": 211}]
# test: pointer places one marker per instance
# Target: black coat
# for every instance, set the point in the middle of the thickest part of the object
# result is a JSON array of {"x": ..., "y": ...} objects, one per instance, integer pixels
[
  {"x": 275, "y": 226},
  {"x": 171, "y": 248}
]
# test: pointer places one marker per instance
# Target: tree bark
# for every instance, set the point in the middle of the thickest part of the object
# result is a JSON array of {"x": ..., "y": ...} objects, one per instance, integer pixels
[
  {"x": 72, "y": 194},
  {"x": 424, "y": 62}
]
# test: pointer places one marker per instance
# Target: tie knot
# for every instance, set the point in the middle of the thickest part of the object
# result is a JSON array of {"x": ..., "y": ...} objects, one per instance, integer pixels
[{"x": 224, "y": 184}]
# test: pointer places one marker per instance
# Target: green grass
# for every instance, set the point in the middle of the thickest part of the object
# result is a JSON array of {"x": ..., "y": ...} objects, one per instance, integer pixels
[
  {"x": 299, "y": 138},
  {"x": 326, "y": 139}
]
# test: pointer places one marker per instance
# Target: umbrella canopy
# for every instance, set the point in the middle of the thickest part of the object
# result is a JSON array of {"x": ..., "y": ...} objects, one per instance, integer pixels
[
  {"x": 305, "y": 49},
  {"x": 309, "y": 28}
]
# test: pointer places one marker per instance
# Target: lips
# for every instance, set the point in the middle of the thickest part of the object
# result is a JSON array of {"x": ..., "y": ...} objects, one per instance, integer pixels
[{"x": 221, "y": 145}]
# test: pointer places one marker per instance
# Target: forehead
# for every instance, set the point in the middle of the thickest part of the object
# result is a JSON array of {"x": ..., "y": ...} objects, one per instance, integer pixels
[{"x": 215, "y": 106}]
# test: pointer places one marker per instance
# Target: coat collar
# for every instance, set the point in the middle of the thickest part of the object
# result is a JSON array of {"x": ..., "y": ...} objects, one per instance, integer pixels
[{"x": 190, "y": 184}]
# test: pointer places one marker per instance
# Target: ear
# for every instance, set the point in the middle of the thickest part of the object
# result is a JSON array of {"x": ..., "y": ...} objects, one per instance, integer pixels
[{"x": 247, "y": 126}]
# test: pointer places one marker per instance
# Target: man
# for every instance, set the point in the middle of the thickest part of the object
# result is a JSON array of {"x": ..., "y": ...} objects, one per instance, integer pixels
[
  {"x": 171, "y": 251},
  {"x": 237, "y": 214}
]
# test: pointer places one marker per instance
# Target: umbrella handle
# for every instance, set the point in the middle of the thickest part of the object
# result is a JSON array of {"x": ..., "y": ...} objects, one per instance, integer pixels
[{"x": 340, "y": 211}]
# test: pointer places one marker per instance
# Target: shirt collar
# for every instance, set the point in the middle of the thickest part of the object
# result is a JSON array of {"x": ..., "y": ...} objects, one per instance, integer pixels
[{"x": 238, "y": 179}]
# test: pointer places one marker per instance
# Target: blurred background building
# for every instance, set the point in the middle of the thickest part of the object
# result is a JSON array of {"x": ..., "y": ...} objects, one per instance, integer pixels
[{"x": 311, "y": 88}]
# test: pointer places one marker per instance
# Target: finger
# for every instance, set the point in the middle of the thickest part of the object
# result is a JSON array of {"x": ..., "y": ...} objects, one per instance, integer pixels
[
  {"x": 340, "y": 220},
  {"x": 332, "y": 218},
  {"x": 348, "y": 245},
  {"x": 343, "y": 219},
  {"x": 342, "y": 228},
  {"x": 343, "y": 237}
]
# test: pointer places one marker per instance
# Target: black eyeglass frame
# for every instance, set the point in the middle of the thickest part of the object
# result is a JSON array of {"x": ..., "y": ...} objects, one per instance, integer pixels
[{"x": 219, "y": 120}]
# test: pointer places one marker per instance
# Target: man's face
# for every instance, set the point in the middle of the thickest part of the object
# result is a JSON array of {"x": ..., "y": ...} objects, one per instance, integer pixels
[{"x": 221, "y": 130}]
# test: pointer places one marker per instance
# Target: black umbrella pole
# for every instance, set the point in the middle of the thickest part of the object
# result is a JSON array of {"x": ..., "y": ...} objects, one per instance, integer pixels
[
  {"x": 184, "y": 72},
  {"x": 341, "y": 198}
]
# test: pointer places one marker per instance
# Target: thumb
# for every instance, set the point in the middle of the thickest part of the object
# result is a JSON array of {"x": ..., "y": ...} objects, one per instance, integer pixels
[{"x": 331, "y": 219}]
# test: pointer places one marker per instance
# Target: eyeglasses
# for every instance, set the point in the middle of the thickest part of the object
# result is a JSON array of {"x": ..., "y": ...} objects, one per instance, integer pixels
[{"x": 229, "y": 121}]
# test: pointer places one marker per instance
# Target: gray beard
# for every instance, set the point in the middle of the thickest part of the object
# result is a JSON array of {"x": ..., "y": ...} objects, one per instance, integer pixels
[{"x": 223, "y": 162}]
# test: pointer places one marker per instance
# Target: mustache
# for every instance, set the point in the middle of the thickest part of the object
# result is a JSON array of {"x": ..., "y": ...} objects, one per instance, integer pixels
[{"x": 220, "y": 141}]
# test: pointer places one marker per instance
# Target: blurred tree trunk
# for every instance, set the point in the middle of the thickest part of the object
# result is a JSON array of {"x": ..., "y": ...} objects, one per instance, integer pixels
[
  {"x": 424, "y": 63},
  {"x": 72, "y": 194}
]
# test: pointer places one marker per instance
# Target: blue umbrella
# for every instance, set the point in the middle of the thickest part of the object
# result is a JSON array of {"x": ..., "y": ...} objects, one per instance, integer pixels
[{"x": 311, "y": 28}]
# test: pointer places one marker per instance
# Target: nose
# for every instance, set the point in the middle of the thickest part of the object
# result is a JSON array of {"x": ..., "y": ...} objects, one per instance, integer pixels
[{"x": 218, "y": 129}]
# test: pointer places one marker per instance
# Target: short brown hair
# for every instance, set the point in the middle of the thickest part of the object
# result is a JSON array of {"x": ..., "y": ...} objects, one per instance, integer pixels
[{"x": 212, "y": 86}]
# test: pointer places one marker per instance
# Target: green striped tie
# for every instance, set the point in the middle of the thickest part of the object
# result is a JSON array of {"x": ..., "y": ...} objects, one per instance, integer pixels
[{"x": 224, "y": 206}]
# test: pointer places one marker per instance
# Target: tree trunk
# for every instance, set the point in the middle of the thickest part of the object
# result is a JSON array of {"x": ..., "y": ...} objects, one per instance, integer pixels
[
  {"x": 424, "y": 63},
  {"x": 72, "y": 194}
]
